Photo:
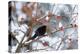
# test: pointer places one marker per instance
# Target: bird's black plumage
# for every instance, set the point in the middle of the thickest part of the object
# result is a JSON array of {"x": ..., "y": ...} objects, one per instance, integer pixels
[{"x": 39, "y": 32}]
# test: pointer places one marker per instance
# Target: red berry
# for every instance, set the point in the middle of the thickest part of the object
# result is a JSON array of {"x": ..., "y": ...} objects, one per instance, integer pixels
[
  {"x": 75, "y": 25},
  {"x": 45, "y": 44},
  {"x": 59, "y": 17},
  {"x": 70, "y": 39},
  {"x": 61, "y": 28}
]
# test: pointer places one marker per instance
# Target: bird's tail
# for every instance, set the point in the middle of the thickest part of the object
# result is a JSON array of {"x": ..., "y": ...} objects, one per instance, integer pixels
[{"x": 32, "y": 38}]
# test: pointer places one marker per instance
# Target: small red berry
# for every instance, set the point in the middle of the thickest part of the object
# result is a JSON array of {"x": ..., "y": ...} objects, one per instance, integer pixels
[
  {"x": 61, "y": 28},
  {"x": 59, "y": 17},
  {"x": 75, "y": 25},
  {"x": 45, "y": 44}
]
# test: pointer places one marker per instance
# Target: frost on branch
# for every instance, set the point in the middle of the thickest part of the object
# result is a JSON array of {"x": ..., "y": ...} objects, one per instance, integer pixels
[{"x": 25, "y": 18}]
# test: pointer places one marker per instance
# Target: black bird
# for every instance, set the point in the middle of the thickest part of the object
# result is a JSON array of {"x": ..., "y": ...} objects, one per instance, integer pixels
[{"x": 39, "y": 32}]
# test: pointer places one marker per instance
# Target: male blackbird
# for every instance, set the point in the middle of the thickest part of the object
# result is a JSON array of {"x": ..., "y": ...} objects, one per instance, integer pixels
[{"x": 39, "y": 32}]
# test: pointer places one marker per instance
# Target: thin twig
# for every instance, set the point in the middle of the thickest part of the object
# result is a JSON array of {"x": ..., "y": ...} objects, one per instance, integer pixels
[
  {"x": 59, "y": 46},
  {"x": 19, "y": 45}
]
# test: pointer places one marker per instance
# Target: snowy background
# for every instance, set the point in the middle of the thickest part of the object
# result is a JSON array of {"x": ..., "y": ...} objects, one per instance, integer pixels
[{"x": 61, "y": 27}]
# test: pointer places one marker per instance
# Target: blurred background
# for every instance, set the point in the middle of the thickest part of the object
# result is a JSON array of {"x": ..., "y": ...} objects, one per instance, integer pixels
[{"x": 26, "y": 17}]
